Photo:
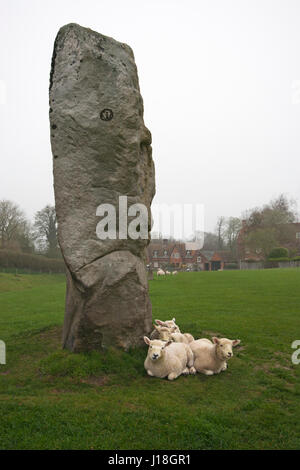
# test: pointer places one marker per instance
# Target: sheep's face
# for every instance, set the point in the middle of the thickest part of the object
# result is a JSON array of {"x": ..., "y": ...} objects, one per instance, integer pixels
[
  {"x": 156, "y": 348},
  {"x": 224, "y": 347},
  {"x": 169, "y": 324}
]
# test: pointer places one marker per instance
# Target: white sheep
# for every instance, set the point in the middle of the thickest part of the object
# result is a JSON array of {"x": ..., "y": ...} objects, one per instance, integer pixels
[
  {"x": 155, "y": 334},
  {"x": 164, "y": 325},
  {"x": 160, "y": 272},
  {"x": 168, "y": 272},
  {"x": 168, "y": 359},
  {"x": 169, "y": 324},
  {"x": 174, "y": 273},
  {"x": 170, "y": 334},
  {"x": 186, "y": 338},
  {"x": 210, "y": 356}
]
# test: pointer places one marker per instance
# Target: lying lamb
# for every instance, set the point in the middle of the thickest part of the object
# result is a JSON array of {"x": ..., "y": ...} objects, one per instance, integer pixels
[
  {"x": 168, "y": 359},
  {"x": 166, "y": 324},
  {"x": 210, "y": 357},
  {"x": 169, "y": 324},
  {"x": 169, "y": 334},
  {"x": 186, "y": 338}
]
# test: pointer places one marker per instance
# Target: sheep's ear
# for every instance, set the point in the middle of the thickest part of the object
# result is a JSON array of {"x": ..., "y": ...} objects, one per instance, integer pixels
[
  {"x": 235, "y": 342},
  {"x": 147, "y": 340},
  {"x": 215, "y": 340},
  {"x": 168, "y": 343},
  {"x": 156, "y": 327}
]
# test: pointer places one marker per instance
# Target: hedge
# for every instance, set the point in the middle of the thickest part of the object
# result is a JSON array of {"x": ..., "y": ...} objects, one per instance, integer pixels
[
  {"x": 231, "y": 266},
  {"x": 283, "y": 258},
  {"x": 296, "y": 258},
  {"x": 18, "y": 260},
  {"x": 279, "y": 252}
]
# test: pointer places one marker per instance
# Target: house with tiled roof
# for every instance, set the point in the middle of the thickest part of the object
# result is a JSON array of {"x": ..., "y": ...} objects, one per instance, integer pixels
[{"x": 175, "y": 256}]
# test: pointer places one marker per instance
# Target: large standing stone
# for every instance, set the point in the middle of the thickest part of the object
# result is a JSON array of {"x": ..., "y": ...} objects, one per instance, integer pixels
[{"x": 101, "y": 150}]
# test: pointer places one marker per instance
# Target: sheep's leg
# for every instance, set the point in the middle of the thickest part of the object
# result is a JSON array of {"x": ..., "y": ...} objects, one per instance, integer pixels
[
  {"x": 186, "y": 371},
  {"x": 224, "y": 367},
  {"x": 150, "y": 373},
  {"x": 190, "y": 357},
  {"x": 193, "y": 370},
  {"x": 172, "y": 376}
]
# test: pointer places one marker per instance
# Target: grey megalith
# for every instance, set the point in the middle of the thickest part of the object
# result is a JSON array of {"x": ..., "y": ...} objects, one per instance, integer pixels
[{"x": 101, "y": 150}]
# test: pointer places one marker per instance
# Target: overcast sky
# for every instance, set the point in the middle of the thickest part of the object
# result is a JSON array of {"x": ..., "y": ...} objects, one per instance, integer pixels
[{"x": 220, "y": 81}]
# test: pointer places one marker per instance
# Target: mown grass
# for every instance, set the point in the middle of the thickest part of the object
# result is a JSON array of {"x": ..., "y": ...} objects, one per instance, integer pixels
[{"x": 52, "y": 399}]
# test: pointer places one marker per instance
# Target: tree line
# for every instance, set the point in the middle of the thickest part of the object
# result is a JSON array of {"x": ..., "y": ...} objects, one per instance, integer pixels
[{"x": 266, "y": 227}]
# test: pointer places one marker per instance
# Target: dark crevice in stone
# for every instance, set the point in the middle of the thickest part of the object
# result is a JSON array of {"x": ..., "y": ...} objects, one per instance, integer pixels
[
  {"x": 53, "y": 62},
  {"x": 105, "y": 254}
]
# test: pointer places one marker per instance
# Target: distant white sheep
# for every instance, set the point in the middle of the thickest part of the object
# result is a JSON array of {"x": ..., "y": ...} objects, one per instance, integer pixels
[
  {"x": 210, "y": 356},
  {"x": 174, "y": 273},
  {"x": 168, "y": 272},
  {"x": 160, "y": 272},
  {"x": 168, "y": 359}
]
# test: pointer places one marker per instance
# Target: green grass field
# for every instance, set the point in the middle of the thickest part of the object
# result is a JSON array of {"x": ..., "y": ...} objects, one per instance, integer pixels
[{"x": 52, "y": 399}]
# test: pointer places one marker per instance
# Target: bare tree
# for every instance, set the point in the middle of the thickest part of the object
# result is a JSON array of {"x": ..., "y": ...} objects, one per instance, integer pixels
[
  {"x": 26, "y": 237},
  {"x": 211, "y": 241},
  {"x": 220, "y": 231},
  {"x": 45, "y": 225},
  {"x": 232, "y": 228},
  {"x": 12, "y": 220}
]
